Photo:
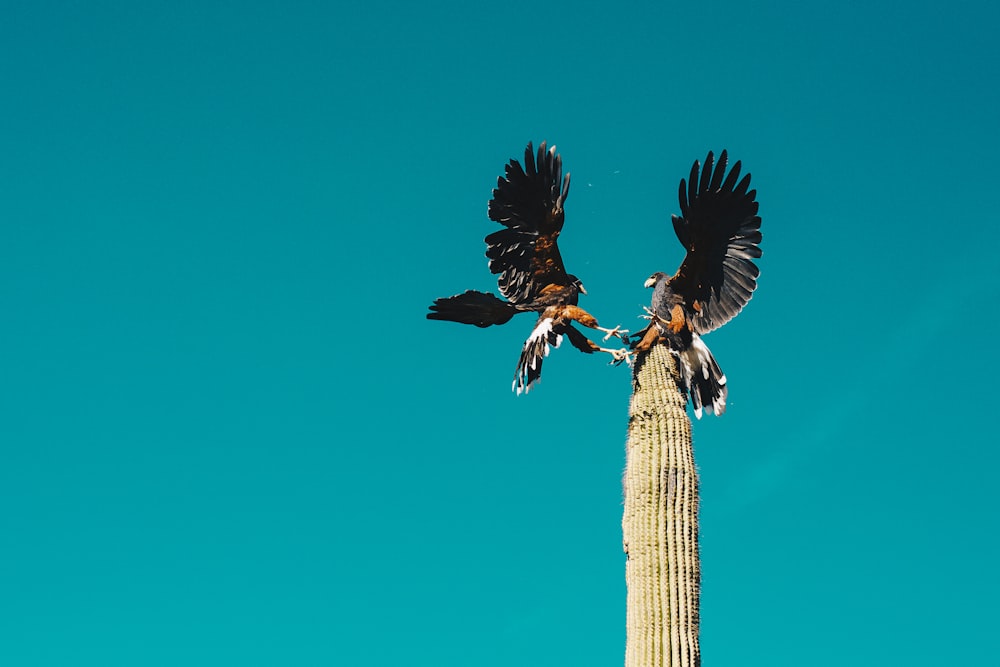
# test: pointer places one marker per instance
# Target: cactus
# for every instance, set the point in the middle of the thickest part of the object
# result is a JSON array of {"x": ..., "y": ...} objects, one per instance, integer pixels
[{"x": 660, "y": 523}]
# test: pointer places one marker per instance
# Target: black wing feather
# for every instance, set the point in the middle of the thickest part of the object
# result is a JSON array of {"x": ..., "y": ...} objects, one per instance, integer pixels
[
  {"x": 472, "y": 307},
  {"x": 528, "y": 201},
  {"x": 720, "y": 229}
]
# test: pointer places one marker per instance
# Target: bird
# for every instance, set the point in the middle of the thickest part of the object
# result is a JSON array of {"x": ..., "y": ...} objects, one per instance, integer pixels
[
  {"x": 529, "y": 202},
  {"x": 720, "y": 231}
]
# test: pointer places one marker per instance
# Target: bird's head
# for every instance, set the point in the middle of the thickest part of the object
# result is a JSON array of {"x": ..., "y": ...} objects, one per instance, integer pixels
[
  {"x": 575, "y": 282},
  {"x": 653, "y": 279}
]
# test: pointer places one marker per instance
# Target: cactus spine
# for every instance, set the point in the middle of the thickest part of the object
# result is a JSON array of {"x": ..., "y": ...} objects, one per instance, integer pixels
[{"x": 660, "y": 523}]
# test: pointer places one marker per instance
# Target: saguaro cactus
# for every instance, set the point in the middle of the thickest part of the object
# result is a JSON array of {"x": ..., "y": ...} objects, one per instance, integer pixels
[{"x": 660, "y": 524}]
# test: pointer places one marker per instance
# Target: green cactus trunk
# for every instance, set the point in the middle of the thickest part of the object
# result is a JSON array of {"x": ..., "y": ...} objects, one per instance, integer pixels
[{"x": 660, "y": 524}]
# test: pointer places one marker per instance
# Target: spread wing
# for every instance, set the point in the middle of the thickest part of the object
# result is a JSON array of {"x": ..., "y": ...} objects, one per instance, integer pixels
[
  {"x": 720, "y": 229},
  {"x": 528, "y": 202}
]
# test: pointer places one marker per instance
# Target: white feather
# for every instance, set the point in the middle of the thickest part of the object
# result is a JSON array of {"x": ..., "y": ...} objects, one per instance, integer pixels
[{"x": 541, "y": 330}]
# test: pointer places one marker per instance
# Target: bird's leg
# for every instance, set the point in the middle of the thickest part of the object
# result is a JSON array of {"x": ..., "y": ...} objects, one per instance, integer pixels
[
  {"x": 650, "y": 337},
  {"x": 618, "y": 356},
  {"x": 586, "y": 319},
  {"x": 654, "y": 322},
  {"x": 676, "y": 322},
  {"x": 623, "y": 355},
  {"x": 584, "y": 344},
  {"x": 618, "y": 332}
]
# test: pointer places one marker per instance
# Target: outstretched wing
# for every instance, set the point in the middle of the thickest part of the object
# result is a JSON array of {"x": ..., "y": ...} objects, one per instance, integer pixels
[
  {"x": 528, "y": 202},
  {"x": 720, "y": 229},
  {"x": 472, "y": 307}
]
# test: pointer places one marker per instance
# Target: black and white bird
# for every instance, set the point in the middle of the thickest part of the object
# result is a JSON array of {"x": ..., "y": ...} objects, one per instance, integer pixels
[
  {"x": 528, "y": 201},
  {"x": 720, "y": 230}
]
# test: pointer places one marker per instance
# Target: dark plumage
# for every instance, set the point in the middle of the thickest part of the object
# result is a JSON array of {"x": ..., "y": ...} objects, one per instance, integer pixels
[
  {"x": 528, "y": 201},
  {"x": 720, "y": 230}
]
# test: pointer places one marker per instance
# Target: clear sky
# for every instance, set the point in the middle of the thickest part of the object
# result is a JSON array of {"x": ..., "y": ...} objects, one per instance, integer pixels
[{"x": 229, "y": 436}]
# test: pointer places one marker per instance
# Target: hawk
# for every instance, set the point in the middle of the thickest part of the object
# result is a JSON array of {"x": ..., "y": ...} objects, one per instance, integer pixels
[
  {"x": 528, "y": 201},
  {"x": 720, "y": 230}
]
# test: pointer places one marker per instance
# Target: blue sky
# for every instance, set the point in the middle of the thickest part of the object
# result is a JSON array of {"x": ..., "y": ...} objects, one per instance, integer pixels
[{"x": 229, "y": 436}]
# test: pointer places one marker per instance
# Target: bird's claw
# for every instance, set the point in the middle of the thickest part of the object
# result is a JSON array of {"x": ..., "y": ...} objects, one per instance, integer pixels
[
  {"x": 621, "y": 356},
  {"x": 618, "y": 332}
]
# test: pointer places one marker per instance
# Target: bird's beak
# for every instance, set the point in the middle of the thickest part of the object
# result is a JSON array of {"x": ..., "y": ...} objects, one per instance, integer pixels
[
  {"x": 582, "y": 291},
  {"x": 650, "y": 282}
]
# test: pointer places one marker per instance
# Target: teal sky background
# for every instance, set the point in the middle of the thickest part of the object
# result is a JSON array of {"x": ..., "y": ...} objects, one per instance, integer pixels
[{"x": 230, "y": 437}]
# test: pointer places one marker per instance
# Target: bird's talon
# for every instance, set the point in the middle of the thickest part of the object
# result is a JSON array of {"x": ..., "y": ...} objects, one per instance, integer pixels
[
  {"x": 608, "y": 333},
  {"x": 618, "y": 332},
  {"x": 620, "y": 356}
]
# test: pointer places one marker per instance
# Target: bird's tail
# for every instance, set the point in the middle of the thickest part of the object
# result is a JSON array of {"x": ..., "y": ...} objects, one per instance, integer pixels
[
  {"x": 529, "y": 366},
  {"x": 472, "y": 307},
  {"x": 703, "y": 379}
]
